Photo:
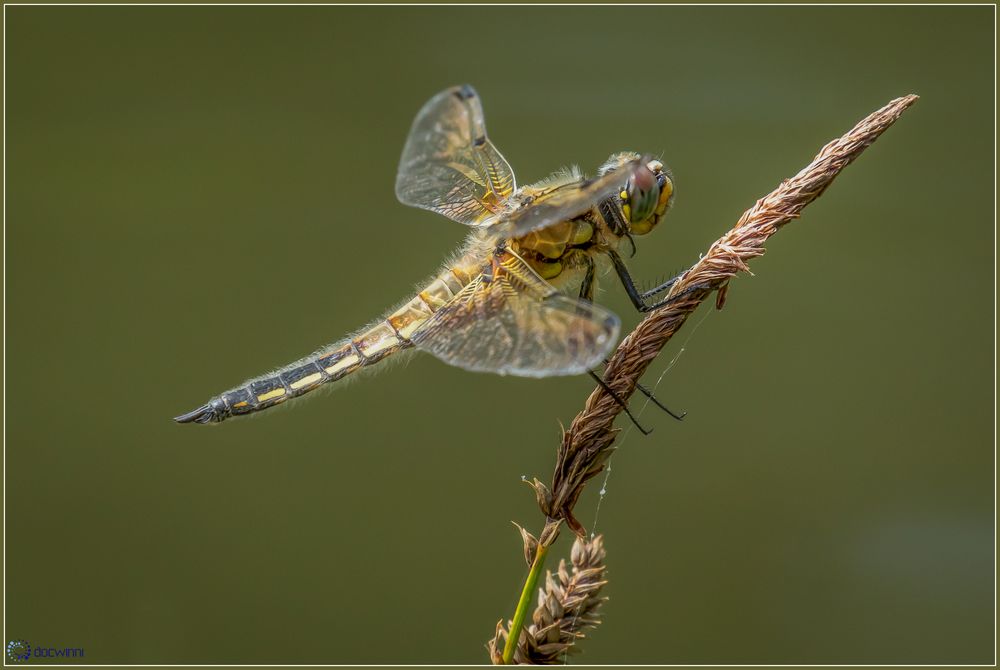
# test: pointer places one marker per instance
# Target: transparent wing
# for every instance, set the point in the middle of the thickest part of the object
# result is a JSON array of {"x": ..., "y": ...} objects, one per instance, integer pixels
[
  {"x": 567, "y": 201},
  {"x": 450, "y": 166},
  {"x": 510, "y": 321}
]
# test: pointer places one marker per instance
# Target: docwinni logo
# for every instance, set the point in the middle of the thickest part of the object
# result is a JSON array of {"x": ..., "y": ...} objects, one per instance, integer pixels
[{"x": 19, "y": 651}]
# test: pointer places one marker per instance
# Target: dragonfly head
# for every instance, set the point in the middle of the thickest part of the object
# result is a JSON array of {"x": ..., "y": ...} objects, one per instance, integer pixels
[{"x": 647, "y": 194}]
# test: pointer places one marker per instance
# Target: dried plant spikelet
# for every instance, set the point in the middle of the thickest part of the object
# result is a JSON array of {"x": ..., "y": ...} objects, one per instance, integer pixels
[
  {"x": 567, "y": 605},
  {"x": 495, "y": 646},
  {"x": 542, "y": 494},
  {"x": 588, "y": 442},
  {"x": 530, "y": 543}
]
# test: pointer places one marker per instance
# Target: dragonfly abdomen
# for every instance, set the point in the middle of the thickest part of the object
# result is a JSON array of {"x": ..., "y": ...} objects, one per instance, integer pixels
[
  {"x": 370, "y": 346},
  {"x": 306, "y": 375}
]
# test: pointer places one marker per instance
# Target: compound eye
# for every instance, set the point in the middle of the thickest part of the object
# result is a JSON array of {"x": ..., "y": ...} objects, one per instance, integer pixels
[{"x": 643, "y": 192}]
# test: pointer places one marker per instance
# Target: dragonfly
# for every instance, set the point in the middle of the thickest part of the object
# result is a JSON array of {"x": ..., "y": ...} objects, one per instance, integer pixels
[{"x": 518, "y": 297}]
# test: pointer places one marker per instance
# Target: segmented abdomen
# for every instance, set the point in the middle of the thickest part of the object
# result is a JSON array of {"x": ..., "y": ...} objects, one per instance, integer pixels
[{"x": 372, "y": 345}]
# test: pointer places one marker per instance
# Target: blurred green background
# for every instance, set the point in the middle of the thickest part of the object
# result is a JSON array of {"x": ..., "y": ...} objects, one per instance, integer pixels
[{"x": 197, "y": 195}]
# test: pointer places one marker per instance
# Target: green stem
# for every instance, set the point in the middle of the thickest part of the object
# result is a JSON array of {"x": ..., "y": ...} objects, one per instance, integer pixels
[{"x": 522, "y": 605}]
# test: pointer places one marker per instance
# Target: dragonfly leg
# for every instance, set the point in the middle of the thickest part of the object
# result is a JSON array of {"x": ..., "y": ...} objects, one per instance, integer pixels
[
  {"x": 587, "y": 285},
  {"x": 649, "y": 394},
  {"x": 621, "y": 403},
  {"x": 639, "y": 299}
]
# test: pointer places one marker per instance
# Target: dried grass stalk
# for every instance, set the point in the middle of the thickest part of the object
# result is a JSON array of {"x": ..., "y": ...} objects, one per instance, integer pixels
[
  {"x": 567, "y": 606},
  {"x": 587, "y": 444}
]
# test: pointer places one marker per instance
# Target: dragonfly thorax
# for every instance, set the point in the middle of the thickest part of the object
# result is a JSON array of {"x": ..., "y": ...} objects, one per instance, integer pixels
[
  {"x": 635, "y": 210},
  {"x": 548, "y": 245}
]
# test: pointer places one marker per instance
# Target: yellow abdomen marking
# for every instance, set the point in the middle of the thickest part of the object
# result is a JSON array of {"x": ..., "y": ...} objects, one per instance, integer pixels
[
  {"x": 376, "y": 340},
  {"x": 271, "y": 395},
  {"x": 306, "y": 381},
  {"x": 410, "y": 316},
  {"x": 346, "y": 362}
]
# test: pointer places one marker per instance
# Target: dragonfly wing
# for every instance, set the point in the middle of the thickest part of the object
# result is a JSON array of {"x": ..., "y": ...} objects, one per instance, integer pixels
[
  {"x": 510, "y": 321},
  {"x": 567, "y": 201},
  {"x": 450, "y": 166}
]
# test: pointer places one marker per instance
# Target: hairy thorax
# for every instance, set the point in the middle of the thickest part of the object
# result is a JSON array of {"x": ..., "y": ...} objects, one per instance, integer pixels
[{"x": 563, "y": 253}]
